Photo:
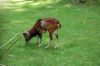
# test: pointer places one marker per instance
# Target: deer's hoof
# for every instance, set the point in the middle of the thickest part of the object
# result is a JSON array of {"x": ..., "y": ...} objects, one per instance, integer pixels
[
  {"x": 56, "y": 47},
  {"x": 46, "y": 47}
]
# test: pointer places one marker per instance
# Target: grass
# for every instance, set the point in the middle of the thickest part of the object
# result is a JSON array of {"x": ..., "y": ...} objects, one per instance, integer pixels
[{"x": 79, "y": 36}]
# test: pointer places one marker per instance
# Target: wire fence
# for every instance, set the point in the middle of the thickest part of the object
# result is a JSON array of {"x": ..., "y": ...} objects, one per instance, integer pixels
[
  {"x": 14, "y": 39},
  {"x": 10, "y": 40}
]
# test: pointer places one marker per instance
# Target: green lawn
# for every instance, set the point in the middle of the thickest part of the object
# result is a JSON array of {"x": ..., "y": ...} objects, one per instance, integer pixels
[{"x": 79, "y": 36}]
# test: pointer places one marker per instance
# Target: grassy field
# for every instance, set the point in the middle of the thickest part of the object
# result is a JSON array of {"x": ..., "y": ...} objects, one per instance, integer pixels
[{"x": 79, "y": 43}]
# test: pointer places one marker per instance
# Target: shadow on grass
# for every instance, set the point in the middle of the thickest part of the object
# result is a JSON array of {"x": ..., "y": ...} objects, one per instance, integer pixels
[{"x": 3, "y": 29}]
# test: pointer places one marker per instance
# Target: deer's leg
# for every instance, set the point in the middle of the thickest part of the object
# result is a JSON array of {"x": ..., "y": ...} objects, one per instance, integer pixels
[
  {"x": 56, "y": 33},
  {"x": 50, "y": 36},
  {"x": 39, "y": 40}
]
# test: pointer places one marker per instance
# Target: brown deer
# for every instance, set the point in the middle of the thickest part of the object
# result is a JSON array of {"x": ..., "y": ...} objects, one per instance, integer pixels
[{"x": 50, "y": 25}]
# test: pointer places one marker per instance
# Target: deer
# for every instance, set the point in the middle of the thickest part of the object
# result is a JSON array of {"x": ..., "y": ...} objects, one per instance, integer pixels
[{"x": 45, "y": 25}]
